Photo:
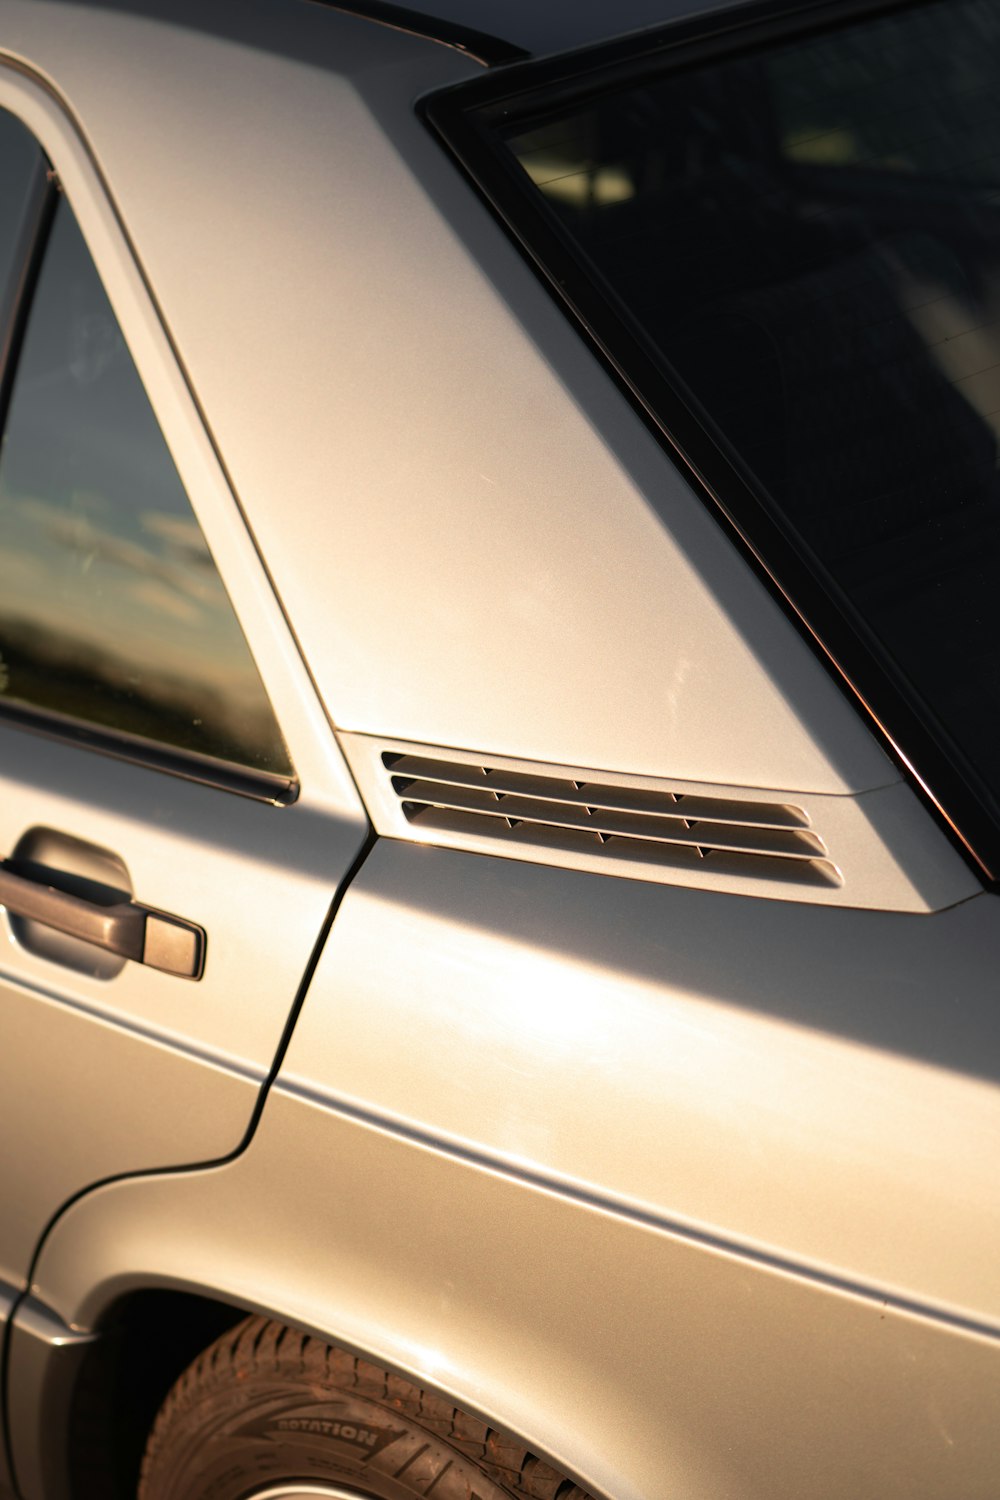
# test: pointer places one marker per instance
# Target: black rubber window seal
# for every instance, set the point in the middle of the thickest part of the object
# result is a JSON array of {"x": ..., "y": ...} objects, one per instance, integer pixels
[
  {"x": 491, "y": 51},
  {"x": 119, "y": 744},
  {"x": 465, "y": 118},
  {"x": 43, "y": 196}
]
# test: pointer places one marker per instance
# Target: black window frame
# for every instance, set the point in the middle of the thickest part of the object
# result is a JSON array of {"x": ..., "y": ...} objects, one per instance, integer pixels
[
  {"x": 190, "y": 765},
  {"x": 466, "y": 118}
]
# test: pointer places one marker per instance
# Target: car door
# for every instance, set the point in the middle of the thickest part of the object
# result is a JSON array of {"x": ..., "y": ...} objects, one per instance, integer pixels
[{"x": 175, "y": 819}]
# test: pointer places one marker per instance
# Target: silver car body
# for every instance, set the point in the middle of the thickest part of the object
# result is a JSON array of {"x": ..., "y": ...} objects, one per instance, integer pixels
[{"x": 688, "y": 1182}]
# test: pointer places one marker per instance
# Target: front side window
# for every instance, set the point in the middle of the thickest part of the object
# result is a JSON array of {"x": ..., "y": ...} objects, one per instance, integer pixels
[
  {"x": 803, "y": 237},
  {"x": 112, "y": 611}
]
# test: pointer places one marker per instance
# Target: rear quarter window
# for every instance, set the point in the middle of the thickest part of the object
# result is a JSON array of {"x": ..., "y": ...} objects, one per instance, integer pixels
[{"x": 801, "y": 234}]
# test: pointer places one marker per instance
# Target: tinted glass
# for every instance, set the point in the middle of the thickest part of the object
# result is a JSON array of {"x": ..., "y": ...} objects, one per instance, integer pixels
[
  {"x": 20, "y": 163},
  {"x": 111, "y": 608},
  {"x": 807, "y": 238}
]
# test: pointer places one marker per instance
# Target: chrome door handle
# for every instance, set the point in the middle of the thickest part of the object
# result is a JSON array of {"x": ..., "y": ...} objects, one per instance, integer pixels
[{"x": 125, "y": 928}]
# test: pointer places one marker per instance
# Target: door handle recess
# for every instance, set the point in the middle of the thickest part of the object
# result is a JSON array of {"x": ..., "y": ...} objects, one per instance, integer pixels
[{"x": 125, "y": 928}]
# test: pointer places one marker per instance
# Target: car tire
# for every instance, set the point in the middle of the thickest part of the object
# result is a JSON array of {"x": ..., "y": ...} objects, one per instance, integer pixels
[{"x": 269, "y": 1413}]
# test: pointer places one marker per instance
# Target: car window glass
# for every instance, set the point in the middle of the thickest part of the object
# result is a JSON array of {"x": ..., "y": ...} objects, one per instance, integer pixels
[
  {"x": 20, "y": 162},
  {"x": 806, "y": 237},
  {"x": 111, "y": 608}
]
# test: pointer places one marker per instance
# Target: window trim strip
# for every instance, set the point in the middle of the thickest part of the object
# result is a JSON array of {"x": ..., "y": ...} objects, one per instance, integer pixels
[{"x": 119, "y": 744}]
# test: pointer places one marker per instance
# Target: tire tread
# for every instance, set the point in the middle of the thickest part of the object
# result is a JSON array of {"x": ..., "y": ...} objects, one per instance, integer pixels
[{"x": 261, "y": 1347}]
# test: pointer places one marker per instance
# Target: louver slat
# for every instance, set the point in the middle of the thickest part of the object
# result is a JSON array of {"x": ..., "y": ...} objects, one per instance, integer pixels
[
  {"x": 647, "y": 829},
  {"x": 646, "y": 856},
  {"x": 584, "y": 794},
  {"x": 601, "y": 821}
]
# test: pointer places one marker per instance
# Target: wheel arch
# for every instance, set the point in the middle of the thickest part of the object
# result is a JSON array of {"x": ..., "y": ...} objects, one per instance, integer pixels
[
  {"x": 104, "y": 1387},
  {"x": 634, "y": 1357}
]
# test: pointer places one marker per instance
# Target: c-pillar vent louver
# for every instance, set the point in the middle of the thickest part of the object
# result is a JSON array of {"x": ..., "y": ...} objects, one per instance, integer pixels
[{"x": 648, "y": 829}]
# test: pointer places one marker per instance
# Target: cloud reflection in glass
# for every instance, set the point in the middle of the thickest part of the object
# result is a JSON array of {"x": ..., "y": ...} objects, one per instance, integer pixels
[{"x": 111, "y": 608}]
